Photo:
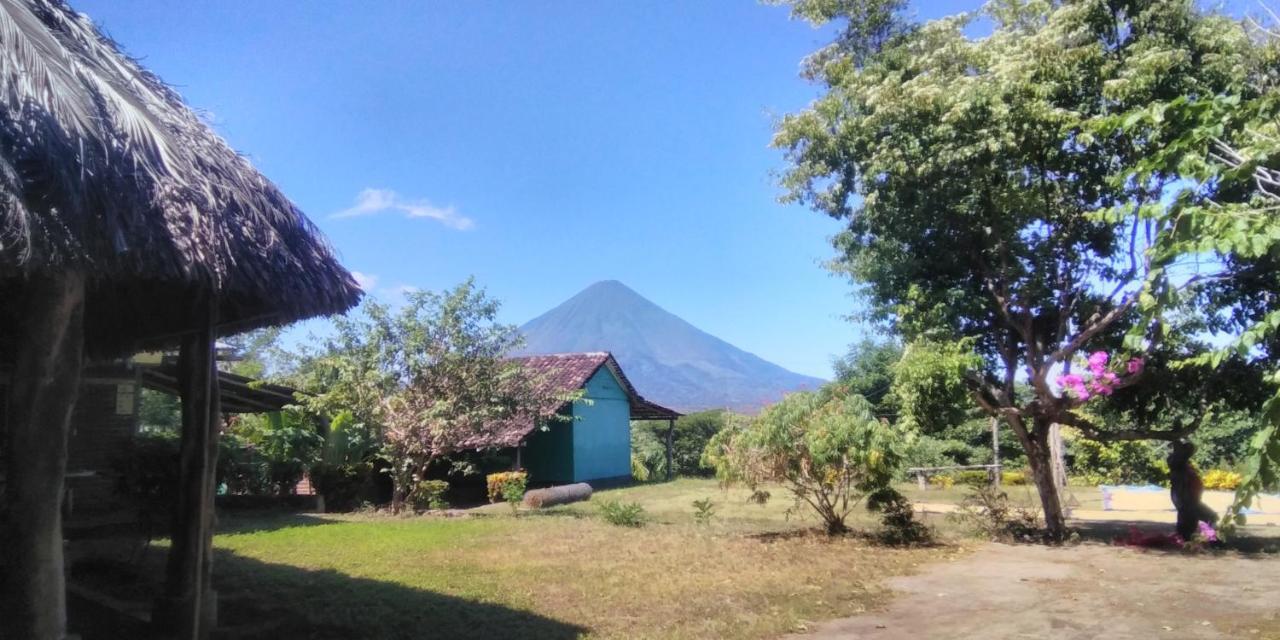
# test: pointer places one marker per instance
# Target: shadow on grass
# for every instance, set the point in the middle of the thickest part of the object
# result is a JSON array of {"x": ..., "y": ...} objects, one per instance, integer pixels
[
  {"x": 264, "y": 601},
  {"x": 1245, "y": 541},
  {"x": 273, "y": 601},
  {"x": 256, "y": 521}
]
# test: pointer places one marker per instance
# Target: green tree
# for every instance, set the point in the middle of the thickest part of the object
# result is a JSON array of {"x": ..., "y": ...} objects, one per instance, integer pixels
[
  {"x": 689, "y": 439},
  {"x": 1221, "y": 230},
  {"x": 254, "y": 354},
  {"x": 969, "y": 170},
  {"x": 826, "y": 447},
  {"x": 867, "y": 370},
  {"x": 431, "y": 378}
]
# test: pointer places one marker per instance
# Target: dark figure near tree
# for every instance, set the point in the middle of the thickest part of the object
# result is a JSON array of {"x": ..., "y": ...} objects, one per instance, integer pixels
[{"x": 1186, "y": 489}]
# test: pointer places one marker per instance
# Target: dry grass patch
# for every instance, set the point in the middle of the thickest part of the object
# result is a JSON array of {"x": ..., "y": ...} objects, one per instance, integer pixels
[{"x": 562, "y": 573}]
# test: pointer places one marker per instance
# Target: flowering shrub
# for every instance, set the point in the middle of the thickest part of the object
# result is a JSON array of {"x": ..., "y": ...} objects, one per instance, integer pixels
[
  {"x": 1100, "y": 380},
  {"x": 500, "y": 484},
  {"x": 943, "y": 482},
  {"x": 1013, "y": 478},
  {"x": 1221, "y": 479}
]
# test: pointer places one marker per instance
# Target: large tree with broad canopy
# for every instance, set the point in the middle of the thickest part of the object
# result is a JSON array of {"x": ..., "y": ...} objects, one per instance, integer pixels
[{"x": 984, "y": 184}]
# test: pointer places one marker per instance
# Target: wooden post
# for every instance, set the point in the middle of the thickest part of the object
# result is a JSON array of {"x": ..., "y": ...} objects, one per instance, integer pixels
[
  {"x": 42, "y": 393},
  {"x": 995, "y": 450},
  {"x": 671, "y": 428},
  {"x": 188, "y": 608}
]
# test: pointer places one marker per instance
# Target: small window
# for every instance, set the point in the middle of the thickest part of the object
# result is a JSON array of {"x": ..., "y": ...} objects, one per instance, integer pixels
[{"x": 126, "y": 398}]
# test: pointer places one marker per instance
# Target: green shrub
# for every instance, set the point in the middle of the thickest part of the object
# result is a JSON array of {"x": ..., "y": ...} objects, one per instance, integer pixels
[
  {"x": 622, "y": 514},
  {"x": 827, "y": 448},
  {"x": 703, "y": 511},
  {"x": 429, "y": 494},
  {"x": 972, "y": 477},
  {"x": 1117, "y": 462},
  {"x": 648, "y": 453},
  {"x": 1013, "y": 478},
  {"x": 898, "y": 519},
  {"x": 513, "y": 491},
  {"x": 987, "y": 511},
  {"x": 343, "y": 486},
  {"x": 497, "y": 483}
]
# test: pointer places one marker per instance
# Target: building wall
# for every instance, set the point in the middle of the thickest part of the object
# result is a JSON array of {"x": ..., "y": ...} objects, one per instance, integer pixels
[
  {"x": 103, "y": 424},
  {"x": 602, "y": 430},
  {"x": 548, "y": 455}
]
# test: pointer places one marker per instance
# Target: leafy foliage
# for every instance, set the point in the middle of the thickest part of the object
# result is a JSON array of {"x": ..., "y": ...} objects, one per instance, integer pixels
[
  {"x": 622, "y": 514},
  {"x": 1117, "y": 462},
  {"x": 648, "y": 453},
  {"x": 285, "y": 443},
  {"x": 344, "y": 486},
  {"x": 1221, "y": 233},
  {"x": 898, "y": 520},
  {"x": 689, "y": 439},
  {"x": 504, "y": 482},
  {"x": 159, "y": 411},
  {"x": 429, "y": 379},
  {"x": 929, "y": 382},
  {"x": 703, "y": 511},
  {"x": 868, "y": 370},
  {"x": 986, "y": 510},
  {"x": 970, "y": 171},
  {"x": 429, "y": 494},
  {"x": 513, "y": 491},
  {"x": 827, "y": 448}
]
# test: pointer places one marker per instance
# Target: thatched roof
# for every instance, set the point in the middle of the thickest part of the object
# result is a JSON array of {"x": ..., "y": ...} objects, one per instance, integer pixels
[{"x": 104, "y": 169}]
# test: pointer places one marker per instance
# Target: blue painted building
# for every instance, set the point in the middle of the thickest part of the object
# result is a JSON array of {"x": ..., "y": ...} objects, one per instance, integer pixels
[{"x": 590, "y": 440}]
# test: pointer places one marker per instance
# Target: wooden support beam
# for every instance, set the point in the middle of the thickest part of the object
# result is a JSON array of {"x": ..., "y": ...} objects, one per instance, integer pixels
[
  {"x": 188, "y": 608},
  {"x": 671, "y": 428},
  {"x": 42, "y": 393}
]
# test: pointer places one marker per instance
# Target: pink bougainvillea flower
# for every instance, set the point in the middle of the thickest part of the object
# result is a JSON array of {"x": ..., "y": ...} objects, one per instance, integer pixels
[
  {"x": 1207, "y": 532},
  {"x": 1109, "y": 378},
  {"x": 1098, "y": 362},
  {"x": 1070, "y": 380},
  {"x": 1135, "y": 366}
]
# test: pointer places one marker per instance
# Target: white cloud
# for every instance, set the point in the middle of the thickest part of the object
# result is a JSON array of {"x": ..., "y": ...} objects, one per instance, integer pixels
[
  {"x": 373, "y": 201},
  {"x": 367, "y": 281}
]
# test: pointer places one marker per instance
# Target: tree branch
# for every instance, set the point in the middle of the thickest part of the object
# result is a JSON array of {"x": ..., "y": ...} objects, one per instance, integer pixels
[{"x": 1093, "y": 432}]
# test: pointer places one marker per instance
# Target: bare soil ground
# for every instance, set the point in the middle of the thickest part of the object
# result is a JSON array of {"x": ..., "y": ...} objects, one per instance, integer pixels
[{"x": 1090, "y": 590}]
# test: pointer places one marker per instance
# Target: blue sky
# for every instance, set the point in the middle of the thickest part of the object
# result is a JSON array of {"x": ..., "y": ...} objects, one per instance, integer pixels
[{"x": 540, "y": 146}]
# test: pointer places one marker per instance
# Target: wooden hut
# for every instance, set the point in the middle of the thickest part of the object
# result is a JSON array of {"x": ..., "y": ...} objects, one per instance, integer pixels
[{"x": 125, "y": 224}]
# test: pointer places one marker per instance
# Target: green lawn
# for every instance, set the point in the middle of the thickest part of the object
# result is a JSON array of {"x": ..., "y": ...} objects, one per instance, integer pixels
[{"x": 558, "y": 573}]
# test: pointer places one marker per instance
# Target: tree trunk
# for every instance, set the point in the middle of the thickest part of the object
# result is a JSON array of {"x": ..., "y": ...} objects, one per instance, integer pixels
[
  {"x": 42, "y": 392},
  {"x": 1040, "y": 459}
]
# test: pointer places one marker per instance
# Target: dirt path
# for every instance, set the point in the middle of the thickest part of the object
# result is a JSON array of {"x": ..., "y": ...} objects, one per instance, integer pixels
[{"x": 1085, "y": 591}]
